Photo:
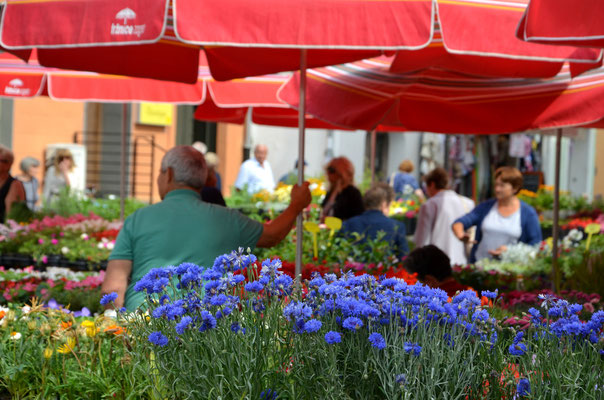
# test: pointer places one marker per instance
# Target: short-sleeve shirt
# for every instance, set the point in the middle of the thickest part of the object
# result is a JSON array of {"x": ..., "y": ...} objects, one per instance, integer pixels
[
  {"x": 181, "y": 228},
  {"x": 257, "y": 177}
]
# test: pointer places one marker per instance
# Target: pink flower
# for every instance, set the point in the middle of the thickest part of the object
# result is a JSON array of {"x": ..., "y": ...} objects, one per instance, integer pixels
[
  {"x": 45, "y": 259},
  {"x": 41, "y": 241},
  {"x": 54, "y": 241},
  {"x": 43, "y": 292},
  {"x": 61, "y": 234}
]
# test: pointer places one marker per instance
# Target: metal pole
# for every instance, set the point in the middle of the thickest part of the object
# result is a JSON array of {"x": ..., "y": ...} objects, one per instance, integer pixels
[
  {"x": 123, "y": 160},
  {"x": 556, "y": 228},
  {"x": 301, "y": 137},
  {"x": 372, "y": 156}
]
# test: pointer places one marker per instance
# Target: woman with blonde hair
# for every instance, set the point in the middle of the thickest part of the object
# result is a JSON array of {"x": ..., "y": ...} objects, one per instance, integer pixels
[
  {"x": 57, "y": 175},
  {"x": 343, "y": 200},
  {"x": 403, "y": 182}
]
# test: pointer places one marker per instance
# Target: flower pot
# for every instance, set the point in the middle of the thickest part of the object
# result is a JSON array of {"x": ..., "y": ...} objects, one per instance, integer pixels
[
  {"x": 78, "y": 265},
  {"x": 17, "y": 260}
]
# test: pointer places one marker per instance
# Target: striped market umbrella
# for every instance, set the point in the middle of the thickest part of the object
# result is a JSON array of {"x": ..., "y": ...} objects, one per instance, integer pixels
[{"x": 365, "y": 94}]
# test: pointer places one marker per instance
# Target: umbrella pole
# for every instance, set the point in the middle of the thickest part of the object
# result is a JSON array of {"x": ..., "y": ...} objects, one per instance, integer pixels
[
  {"x": 372, "y": 158},
  {"x": 301, "y": 137},
  {"x": 556, "y": 228},
  {"x": 123, "y": 160}
]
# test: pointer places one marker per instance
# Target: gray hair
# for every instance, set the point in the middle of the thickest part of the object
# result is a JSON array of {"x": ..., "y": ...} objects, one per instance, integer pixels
[
  {"x": 6, "y": 150},
  {"x": 377, "y": 195},
  {"x": 188, "y": 164},
  {"x": 27, "y": 163}
]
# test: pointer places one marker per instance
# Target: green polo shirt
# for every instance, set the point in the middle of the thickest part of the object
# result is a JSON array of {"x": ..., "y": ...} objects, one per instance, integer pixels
[{"x": 181, "y": 228}]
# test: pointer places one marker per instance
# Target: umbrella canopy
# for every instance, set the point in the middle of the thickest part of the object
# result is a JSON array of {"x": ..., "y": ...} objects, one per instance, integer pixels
[
  {"x": 478, "y": 37},
  {"x": 563, "y": 22},
  {"x": 158, "y": 39},
  {"x": 366, "y": 94},
  {"x": 161, "y": 39}
]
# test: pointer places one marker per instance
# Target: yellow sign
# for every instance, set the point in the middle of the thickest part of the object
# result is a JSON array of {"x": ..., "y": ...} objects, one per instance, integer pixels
[{"x": 155, "y": 114}]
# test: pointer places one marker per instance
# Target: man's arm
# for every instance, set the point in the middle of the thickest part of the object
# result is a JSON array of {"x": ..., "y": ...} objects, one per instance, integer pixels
[
  {"x": 116, "y": 280},
  {"x": 275, "y": 231}
]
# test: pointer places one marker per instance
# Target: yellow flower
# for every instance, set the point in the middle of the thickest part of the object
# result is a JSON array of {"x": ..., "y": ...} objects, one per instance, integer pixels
[
  {"x": 88, "y": 324},
  {"x": 68, "y": 346},
  {"x": 48, "y": 353}
]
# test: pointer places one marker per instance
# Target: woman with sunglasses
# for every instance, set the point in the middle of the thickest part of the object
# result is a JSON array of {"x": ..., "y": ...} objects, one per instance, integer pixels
[
  {"x": 11, "y": 190},
  {"x": 343, "y": 200}
]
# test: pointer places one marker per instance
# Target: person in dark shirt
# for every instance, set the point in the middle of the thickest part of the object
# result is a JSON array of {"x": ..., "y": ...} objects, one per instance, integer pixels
[
  {"x": 343, "y": 200},
  {"x": 433, "y": 268},
  {"x": 374, "y": 220},
  {"x": 210, "y": 193}
]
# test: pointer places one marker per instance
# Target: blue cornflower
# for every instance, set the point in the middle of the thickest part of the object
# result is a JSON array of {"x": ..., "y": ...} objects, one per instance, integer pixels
[
  {"x": 297, "y": 309},
  {"x": 123, "y": 309},
  {"x": 218, "y": 300},
  {"x": 209, "y": 322},
  {"x": 183, "y": 324},
  {"x": 268, "y": 394},
  {"x": 490, "y": 295},
  {"x": 401, "y": 379},
  {"x": 312, "y": 325},
  {"x": 480, "y": 315},
  {"x": 108, "y": 298},
  {"x": 254, "y": 286},
  {"x": 518, "y": 337},
  {"x": 333, "y": 337},
  {"x": 517, "y": 349},
  {"x": 523, "y": 388},
  {"x": 175, "y": 310},
  {"x": 414, "y": 348},
  {"x": 377, "y": 340},
  {"x": 158, "y": 339},
  {"x": 283, "y": 282},
  {"x": 352, "y": 323}
]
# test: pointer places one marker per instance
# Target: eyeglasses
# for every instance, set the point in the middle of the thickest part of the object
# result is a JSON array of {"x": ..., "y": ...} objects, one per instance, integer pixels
[{"x": 331, "y": 170}]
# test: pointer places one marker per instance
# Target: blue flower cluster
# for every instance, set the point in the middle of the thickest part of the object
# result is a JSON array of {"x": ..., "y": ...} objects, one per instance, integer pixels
[
  {"x": 207, "y": 294},
  {"x": 365, "y": 304}
]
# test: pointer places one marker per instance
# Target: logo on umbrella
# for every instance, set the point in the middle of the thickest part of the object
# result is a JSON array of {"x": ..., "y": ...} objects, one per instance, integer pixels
[
  {"x": 15, "y": 88},
  {"x": 125, "y": 29},
  {"x": 16, "y": 82},
  {"x": 125, "y": 14}
]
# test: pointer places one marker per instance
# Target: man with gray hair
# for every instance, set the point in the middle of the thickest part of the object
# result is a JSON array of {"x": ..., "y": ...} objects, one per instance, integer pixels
[
  {"x": 182, "y": 228},
  {"x": 375, "y": 219},
  {"x": 11, "y": 190}
]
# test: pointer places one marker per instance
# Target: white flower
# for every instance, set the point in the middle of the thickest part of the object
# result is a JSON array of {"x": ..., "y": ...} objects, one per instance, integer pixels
[
  {"x": 64, "y": 250},
  {"x": 110, "y": 245},
  {"x": 110, "y": 314},
  {"x": 15, "y": 335},
  {"x": 26, "y": 309},
  {"x": 101, "y": 245},
  {"x": 84, "y": 236}
]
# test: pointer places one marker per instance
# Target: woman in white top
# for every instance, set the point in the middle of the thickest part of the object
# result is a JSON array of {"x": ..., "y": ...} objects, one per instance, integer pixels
[
  {"x": 501, "y": 221},
  {"x": 438, "y": 213},
  {"x": 57, "y": 175}
]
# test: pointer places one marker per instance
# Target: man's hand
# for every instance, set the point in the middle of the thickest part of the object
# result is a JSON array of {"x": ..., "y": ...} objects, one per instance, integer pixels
[
  {"x": 300, "y": 197},
  {"x": 278, "y": 229}
]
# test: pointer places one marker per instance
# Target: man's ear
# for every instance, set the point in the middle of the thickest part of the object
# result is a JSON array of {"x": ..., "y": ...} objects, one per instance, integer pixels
[{"x": 169, "y": 175}]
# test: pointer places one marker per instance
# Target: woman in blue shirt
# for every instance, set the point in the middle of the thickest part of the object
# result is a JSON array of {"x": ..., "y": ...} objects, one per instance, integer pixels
[{"x": 501, "y": 221}]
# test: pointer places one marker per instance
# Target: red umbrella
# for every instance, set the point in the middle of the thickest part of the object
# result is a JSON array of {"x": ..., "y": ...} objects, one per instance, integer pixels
[
  {"x": 161, "y": 40},
  {"x": 563, "y": 22},
  {"x": 153, "y": 38},
  {"x": 478, "y": 37},
  {"x": 365, "y": 94}
]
